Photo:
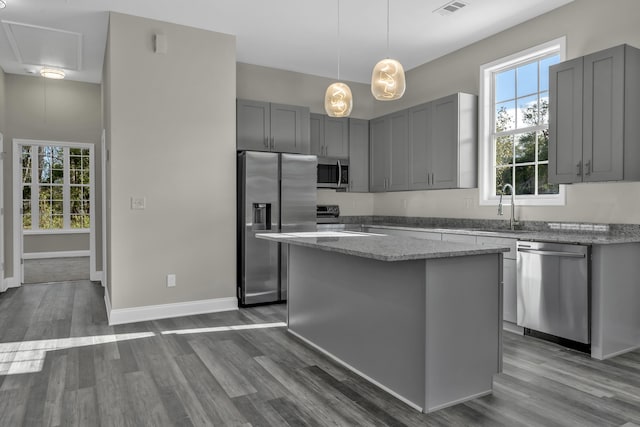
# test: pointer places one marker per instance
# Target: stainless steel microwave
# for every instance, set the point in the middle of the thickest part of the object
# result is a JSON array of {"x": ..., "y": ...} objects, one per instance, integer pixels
[{"x": 333, "y": 173}]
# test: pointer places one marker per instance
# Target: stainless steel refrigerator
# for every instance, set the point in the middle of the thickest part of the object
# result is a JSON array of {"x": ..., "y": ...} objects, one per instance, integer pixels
[{"x": 276, "y": 193}]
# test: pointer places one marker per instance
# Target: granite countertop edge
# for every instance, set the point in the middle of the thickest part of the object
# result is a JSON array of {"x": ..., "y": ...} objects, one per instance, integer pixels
[
  {"x": 528, "y": 235},
  {"x": 397, "y": 248}
]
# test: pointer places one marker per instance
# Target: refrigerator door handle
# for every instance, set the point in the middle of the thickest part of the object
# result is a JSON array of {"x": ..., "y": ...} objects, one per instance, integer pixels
[{"x": 339, "y": 175}]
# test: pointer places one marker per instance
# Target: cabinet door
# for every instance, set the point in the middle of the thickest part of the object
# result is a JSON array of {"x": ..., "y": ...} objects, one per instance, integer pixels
[
  {"x": 399, "y": 148},
  {"x": 379, "y": 154},
  {"x": 565, "y": 122},
  {"x": 603, "y": 130},
  {"x": 253, "y": 125},
  {"x": 289, "y": 129},
  {"x": 316, "y": 130},
  {"x": 443, "y": 151},
  {"x": 336, "y": 137},
  {"x": 358, "y": 155},
  {"x": 419, "y": 138}
]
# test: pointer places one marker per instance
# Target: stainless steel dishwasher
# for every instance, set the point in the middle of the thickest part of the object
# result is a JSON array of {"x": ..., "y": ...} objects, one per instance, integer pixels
[{"x": 553, "y": 290}]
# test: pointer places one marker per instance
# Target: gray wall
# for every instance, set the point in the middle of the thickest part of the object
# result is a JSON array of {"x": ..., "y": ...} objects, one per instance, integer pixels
[
  {"x": 589, "y": 25},
  {"x": 2, "y": 102},
  {"x": 171, "y": 130},
  {"x": 56, "y": 243},
  {"x": 288, "y": 87},
  {"x": 55, "y": 110}
]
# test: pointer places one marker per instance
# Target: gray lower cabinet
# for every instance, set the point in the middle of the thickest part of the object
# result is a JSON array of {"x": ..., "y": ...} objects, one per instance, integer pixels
[
  {"x": 329, "y": 136},
  {"x": 509, "y": 272},
  {"x": 443, "y": 143},
  {"x": 594, "y": 104},
  {"x": 358, "y": 156},
  {"x": 265, "y": 126},
  {"x": 389, "y": 153}
]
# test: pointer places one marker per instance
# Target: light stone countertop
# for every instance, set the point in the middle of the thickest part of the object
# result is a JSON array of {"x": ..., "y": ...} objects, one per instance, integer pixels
[
  {"x": 542, "y": 236},
  {"x": 383, "y": 247}
]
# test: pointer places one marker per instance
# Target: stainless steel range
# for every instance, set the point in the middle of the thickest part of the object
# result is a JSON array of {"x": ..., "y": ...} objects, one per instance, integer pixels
[{"x": 327, "y": 214}]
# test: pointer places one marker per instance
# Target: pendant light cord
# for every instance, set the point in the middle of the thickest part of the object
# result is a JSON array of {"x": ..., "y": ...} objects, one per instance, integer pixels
[
  {"x": 339, "y": 47},
  {"x": 388, "y": 28}
]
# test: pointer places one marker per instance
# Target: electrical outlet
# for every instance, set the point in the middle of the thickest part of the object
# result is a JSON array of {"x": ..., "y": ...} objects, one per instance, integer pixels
[{"x": 171, "y": 280}]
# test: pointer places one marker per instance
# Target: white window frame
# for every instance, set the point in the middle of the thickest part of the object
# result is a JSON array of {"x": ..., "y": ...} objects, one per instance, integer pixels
[
  {"x": 486, "y": 156},
  {"x": 66, "y": 186}
]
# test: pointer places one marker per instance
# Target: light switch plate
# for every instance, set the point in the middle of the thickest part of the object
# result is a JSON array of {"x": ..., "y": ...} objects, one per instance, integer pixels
[
  {"x": 171, "y": 280},
  {"x": 138, "y": 203}
]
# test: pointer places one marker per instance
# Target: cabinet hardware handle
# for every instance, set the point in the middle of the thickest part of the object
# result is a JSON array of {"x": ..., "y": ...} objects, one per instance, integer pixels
[
  {"x": 273, "y": 142},
  {"x": 428, "y": 179},
  {"x": 579, "y": 168},
  {"x": 587, "y": 166},
  {"x": 433, "y": 178},
  {"x": 266, "y": 141}
]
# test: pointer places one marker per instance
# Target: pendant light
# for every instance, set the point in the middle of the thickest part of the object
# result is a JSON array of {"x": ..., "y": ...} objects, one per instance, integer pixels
[
  {"x": 387, "y": 78},
  {"x": 338, "y": 100}
]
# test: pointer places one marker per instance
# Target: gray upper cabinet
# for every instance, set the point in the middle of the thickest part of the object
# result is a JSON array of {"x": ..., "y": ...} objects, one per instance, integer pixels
[
  {"x": 265, "y": 126},
  {"x": 358, "y": 155},
  {"x": 419, "y": 146},
  {"x": 594, "y": 104},
  {"x": 389, "y": 152},
  {"x": 253, "y": 125},
  {"x": 378, "y": 154},
  {"x": 329, "y": 136},
  {"x": 443, "y": 143}
]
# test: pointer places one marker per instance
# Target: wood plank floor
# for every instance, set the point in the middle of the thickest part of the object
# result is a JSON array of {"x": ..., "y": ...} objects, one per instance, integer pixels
[{"x": 62, "y": 365}]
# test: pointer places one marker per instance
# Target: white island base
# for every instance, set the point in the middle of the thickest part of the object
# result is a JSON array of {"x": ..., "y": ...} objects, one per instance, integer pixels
[{"x": 428, "y": 331}]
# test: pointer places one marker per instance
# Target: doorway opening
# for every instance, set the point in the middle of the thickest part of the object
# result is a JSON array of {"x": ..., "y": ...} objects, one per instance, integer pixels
[{"x": 53, "y": 217}]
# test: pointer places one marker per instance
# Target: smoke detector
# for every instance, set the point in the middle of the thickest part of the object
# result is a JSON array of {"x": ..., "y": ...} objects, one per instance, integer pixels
[{"x": 451, "y": 7}]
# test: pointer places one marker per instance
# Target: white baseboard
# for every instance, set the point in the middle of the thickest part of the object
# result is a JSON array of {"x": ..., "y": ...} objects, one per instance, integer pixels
[
  {"x": 120, "y": 316},
  {"x": 61, "y": 254},
  {"x": 9, "y": 282},
  {"x": 107, "y": 305},
  {"x": 96, "y": 276}
]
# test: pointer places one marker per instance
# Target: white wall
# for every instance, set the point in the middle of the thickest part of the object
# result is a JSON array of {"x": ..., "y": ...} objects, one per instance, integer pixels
[
  {"x": 589, "y": 25},
  {"x": 171, "y": 128}
]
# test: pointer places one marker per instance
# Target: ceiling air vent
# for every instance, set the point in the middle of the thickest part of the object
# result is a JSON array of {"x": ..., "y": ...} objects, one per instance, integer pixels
[{"x": 451, "y": 7}]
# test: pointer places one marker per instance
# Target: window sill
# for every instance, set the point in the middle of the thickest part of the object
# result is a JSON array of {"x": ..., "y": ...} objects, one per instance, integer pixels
[{"x": 57, "y": 231}]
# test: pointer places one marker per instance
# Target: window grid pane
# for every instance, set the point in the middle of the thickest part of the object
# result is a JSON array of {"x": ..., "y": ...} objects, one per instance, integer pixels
[
  {"x": 520, "y": 136},
  {"x": 62, "y": 187}
]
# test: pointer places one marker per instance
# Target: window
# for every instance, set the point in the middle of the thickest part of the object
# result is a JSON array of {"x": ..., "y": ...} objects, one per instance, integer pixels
[
  {"x": 515, "y": 126},
  {"x": 56, "y": 187}
]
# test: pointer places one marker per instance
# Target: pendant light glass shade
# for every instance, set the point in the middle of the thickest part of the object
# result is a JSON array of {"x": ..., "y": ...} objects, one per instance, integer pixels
[
  {"x": 338, "y": 101},
  {"x": 387, "y": 80}
]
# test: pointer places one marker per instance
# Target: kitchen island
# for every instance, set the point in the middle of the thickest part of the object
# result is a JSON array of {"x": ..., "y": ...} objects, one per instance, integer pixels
[{"x": 421, "y": 319}]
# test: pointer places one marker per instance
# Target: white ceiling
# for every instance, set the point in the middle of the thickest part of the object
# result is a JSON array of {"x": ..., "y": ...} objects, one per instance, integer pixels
[{"x": 296, "y": 35}]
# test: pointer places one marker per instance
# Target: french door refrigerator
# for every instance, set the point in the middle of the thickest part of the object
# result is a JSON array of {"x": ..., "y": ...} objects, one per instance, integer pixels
[{"x": 276, "y": 193}]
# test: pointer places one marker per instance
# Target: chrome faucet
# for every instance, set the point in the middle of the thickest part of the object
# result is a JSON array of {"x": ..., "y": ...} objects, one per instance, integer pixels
[{"x": 513, "y": 222}]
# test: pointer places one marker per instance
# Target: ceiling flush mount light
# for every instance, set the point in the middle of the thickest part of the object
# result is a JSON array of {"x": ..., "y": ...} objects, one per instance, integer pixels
[
  {"x": 3, "y": 4},
  {"x": 338, "y": 100},
  {"x": 52, "y": 73},
  {"x": 387, "y": 78}
]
